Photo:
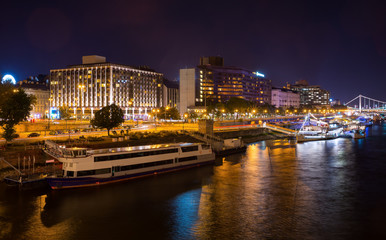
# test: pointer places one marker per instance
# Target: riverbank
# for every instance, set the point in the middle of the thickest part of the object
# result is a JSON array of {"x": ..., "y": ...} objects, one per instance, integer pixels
[{"x": 263, "y": 137}]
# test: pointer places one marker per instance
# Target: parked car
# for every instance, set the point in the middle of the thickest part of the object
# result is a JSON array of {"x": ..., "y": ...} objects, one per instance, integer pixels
[{"x": 33, "y": 135}]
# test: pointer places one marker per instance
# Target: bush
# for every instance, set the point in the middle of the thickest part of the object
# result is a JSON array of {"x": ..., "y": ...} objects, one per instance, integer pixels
[{"x": 94, "y": 139}]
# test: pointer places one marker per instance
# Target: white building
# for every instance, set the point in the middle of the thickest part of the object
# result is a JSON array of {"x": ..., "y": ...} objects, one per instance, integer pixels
[
  {"x": 170, "y": 94},
  {"x": 38, "y": 87},
  {"x": 188, "y": 89},
  {"x": 88, "y": 87},
  {"x": 285, "y": 98}
]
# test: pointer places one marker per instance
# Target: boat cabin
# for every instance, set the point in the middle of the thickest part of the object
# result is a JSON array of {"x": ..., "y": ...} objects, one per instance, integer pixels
[{"x": 74, "y": 152}]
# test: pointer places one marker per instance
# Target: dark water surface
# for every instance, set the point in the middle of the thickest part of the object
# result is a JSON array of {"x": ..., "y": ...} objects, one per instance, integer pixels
[{"x": 332, "y": 189}]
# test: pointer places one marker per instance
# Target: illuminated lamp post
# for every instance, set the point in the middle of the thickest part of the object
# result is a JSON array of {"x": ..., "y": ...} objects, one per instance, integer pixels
[
  {"x": 49, "y": 114},
  {"x": 81, "y": 87},
  {"x": 130, "y": 103},
  {"x": 167, "y": 108},
  {"x": 183, "y": 123}
]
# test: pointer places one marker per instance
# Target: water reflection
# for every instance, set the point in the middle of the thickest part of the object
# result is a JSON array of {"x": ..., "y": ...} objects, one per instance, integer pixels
[{"x": 276, "y": 190}]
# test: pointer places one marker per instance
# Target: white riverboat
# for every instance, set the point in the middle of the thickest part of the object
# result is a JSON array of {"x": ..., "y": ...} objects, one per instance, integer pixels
[
  {"x": 321, "y": 131},
  {"x": 83, "y": 168}
]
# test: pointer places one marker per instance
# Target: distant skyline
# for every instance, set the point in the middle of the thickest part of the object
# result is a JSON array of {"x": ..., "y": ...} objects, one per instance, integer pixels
[{"x": 339, "y": 45}]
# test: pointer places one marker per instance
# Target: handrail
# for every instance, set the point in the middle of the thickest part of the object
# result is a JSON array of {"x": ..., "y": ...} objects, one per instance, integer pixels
[{"x": 17, "y": 170}]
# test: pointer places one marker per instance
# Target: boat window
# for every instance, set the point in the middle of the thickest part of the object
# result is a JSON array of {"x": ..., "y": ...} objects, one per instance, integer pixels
[
  {"x": 85, "y": 173},
  {"x": 205, "y": 146},
  {"x": 145, "y": 165},
  {"x": 70, "y": 173},
  {"x": 93, "y": 172},
  {"x": 135, "y": 155},
  {"x": 102, "y": 171},
  {"x": 189, "y": 149},
  {"x": 187, "y": 159}
]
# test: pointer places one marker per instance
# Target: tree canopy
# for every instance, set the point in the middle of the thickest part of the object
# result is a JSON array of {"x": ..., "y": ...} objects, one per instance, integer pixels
[
  {"x": 64, "y": 112},
  {"x": 108, "y": 117},
  {"x": 15, "y": 106},
  {"x": 169, "y": 113}
]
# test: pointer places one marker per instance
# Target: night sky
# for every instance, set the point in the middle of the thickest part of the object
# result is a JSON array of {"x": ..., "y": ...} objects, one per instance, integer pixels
[{"x": 339, "y": 45}]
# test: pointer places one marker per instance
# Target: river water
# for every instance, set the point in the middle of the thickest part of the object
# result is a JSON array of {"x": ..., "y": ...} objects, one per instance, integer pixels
[{"x": 332, "y": 189}]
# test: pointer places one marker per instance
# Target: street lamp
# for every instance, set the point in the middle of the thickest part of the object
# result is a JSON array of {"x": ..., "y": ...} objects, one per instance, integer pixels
[
  {"x": 49, "y": 114},
  {"x": 130, "y": 103},
  {"x": 167, "y": 108},
  {"x": 81, "y": 87},
  {"x": 183, "y": 123}
]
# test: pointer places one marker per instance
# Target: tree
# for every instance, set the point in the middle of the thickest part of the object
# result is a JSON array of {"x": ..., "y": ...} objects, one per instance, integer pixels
[
  {"x": 64, "y": 113},
  {"x": 169, "y": 113},
  {"x": 108, "y": 117},
  {"x": 239, "y": 104},
  {"x": 15, "y": 106}
]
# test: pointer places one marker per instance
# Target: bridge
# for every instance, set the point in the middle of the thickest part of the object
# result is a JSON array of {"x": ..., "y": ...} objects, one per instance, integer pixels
[
  {"x": 280, "y": 129},
  {"x": 363, "y": 103}
]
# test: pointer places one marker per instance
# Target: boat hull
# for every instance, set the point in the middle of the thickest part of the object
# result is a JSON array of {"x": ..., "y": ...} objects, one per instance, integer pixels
[
  {"x": 79, "y": 182},
  {"x": 305, "y": 139}
]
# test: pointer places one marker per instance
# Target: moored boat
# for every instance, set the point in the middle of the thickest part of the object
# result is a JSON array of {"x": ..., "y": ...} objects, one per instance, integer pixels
[{"x": 84, "y": 168}]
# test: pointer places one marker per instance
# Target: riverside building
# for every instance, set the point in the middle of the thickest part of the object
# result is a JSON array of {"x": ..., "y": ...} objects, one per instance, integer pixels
[
  {"x": 285, "y": 98},
  {"x": 212, "y": 82},
  {"x": 87, "y": 87},
  {"x": 170, "y": 93},
  {"x": 38, "y": 87},
  {"x": 310, "y": 94}
]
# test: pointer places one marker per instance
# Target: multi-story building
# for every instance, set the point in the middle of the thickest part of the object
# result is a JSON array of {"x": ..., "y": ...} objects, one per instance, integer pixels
[
  {"x": 212, "y": 82},
  {"x": 95, "y": 83},
  {"x": 285, "y": 98},
  {"x": 38, "y": 87},
  {"x": 310, "y": 95},
  {"x": 170, "y": 93}
]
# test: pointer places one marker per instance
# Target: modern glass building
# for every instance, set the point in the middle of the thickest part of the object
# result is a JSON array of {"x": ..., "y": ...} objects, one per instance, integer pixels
[
  {"x": 310, "y": 94},
  {"x": 211, "y": 82},
  {"x": 87, "y": 87}
]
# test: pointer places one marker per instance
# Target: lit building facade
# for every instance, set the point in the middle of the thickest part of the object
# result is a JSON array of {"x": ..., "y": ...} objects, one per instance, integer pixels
[
  {"x": 88, "y": 87},
  {"x": 211, "y": 82},
  {"x": 285, "y": 98},
  {"x": 310, "y": 95},
  {"x": 38, "y": 87},
  {"x": 170, "y": 94}
]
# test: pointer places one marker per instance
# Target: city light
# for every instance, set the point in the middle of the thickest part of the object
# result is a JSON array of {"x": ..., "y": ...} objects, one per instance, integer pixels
[
  {"x": 9, "y": 78},
  {"x": 260, "y": 74}
]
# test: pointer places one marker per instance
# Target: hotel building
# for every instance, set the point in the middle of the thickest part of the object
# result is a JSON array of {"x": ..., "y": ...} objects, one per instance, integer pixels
[
  {"x": 310, "y": 95},
  {"x": 212, "y": 82},
  {"x": 87, "y": 87}
]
